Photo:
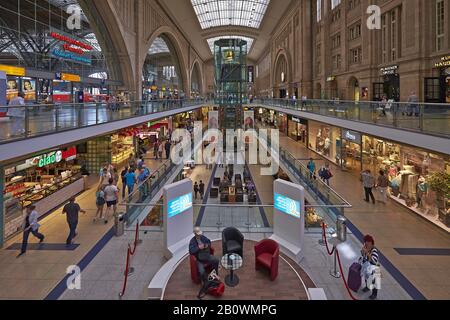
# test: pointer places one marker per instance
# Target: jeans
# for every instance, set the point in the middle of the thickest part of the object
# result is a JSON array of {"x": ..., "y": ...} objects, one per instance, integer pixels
[
  {"x": 72, "y": 231},
  {"x": 143, "y": 190},
  {"x": 212, "y": 261},
  {"x": 26, "y": 234},
  {"x": 369, "y": 193},
  {"x": 17, "y": 126}
]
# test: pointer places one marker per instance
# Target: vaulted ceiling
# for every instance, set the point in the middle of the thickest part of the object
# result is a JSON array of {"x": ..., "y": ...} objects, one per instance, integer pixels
[{"x": 204, "y": 21}]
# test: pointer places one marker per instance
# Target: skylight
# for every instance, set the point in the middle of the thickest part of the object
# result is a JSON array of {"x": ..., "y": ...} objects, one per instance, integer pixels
[
  {"x": 216, "y": 13},
  {"x": 212, "y": 40},
  {"x": 159, "y": 46}
]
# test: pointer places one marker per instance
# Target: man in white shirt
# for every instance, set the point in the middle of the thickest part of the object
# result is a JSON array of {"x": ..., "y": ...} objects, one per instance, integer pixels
[
  {"x": 17, "y": 114},
  {"x": 111, "y": 197}
]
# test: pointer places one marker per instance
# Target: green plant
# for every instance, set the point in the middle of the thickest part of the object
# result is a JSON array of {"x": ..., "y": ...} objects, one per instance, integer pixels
[{"x": 440, "y": 183}]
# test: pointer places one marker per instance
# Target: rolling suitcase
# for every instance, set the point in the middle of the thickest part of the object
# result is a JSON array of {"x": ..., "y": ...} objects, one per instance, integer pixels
[{"x": 354, "y": 277}]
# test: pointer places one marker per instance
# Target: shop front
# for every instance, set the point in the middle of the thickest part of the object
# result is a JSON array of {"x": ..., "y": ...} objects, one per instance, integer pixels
[
  {"x": 298, "y": 129},
  {"x": 351, "y": 152},
  {"x": 281, "y": 122},
  {"x": 437, "y": 88},
  {"x": 122, "y": 146},
  {"x": 389, "y": 86},
  {"x": 326, "y": 141},
  {"x": 409, "y": 171},
  {"x": 45, "y": 181}
]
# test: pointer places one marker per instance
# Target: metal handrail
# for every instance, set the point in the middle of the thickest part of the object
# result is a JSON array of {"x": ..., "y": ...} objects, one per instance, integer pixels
[
  {"x": 429, "y": 118},
  {"x": 53, "y": 117}
]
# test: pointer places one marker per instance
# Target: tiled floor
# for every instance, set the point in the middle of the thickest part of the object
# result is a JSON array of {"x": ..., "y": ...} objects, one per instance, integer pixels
[
  {"x": 393, "y": 226},
  {"x": 34, "y": 275},
  {"x": 254, "y": 285}
]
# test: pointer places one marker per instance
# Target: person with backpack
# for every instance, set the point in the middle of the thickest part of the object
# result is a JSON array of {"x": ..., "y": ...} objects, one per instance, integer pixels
[
  {"x": 100, "y": 202},
  {"x": 371, "y": 267},
  {"x": 325, "y": 174}
]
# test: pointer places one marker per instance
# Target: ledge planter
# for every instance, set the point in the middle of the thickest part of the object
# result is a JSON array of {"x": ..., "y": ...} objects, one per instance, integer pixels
[{"x": 440, "y": 183}]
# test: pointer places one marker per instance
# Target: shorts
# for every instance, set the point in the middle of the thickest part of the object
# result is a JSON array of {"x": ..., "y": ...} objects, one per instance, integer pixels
[{"x": 109, "y": 204}]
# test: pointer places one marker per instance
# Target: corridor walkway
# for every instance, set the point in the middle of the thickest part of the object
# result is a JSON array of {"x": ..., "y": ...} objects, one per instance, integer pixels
[
  {"x": 36, "y": 274},
  {"x": 393, "y": 227}
]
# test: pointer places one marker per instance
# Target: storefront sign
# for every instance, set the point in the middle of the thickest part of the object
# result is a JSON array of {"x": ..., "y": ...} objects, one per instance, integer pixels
[
  {"x": 49, "y": 158},
  {"x": 71, "y": 49},
  {"x": 12, "y": 71},
  {"x": 352, "y": 136},
  {"x": 445, "y": 62},
  {"x": 389, "y": 70},
  {"x": 68, "y": 77},
  {"x": 287, "y": 205}
]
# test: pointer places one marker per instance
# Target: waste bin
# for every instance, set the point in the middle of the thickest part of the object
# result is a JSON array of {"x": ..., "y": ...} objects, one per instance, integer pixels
[
  {"x": 119, "y": 225},
  {"x": 341, "y": 228}
]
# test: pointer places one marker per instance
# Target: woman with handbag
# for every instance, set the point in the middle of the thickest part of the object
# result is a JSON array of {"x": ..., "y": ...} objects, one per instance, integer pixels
[{"x": 371, "y": 267}]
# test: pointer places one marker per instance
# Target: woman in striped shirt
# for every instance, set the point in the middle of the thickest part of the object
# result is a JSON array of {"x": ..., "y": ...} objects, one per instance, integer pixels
[{"x": 371, "y": 265}]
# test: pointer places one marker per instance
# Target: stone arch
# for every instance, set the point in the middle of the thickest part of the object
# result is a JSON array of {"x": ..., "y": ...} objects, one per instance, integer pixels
[
  {"x": 167, "y": 33},
  {"x": 196, "y": 66},
  {"x": 353, "y": 89},
  {"x": 282, "y": 71},
  {"x": 108, "y": 30}
]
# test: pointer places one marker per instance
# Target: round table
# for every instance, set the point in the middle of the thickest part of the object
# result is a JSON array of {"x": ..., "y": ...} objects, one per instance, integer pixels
[{"x": 232, "y": 262}]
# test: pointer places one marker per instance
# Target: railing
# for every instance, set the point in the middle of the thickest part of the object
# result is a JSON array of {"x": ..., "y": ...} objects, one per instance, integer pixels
[
  {"x": 36, "y": 120},
  {"x": 335, "y": 204},
  {"x": 248, "y": 218},
  {"x": 145, "y": 191},
  {"x": 420, "y": 117}
]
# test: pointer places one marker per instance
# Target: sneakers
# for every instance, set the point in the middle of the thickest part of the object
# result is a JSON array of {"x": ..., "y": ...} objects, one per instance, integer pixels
[
  {"x": 42, "y": 240},
  {"x": 373, "y": 297},
  {"x": 20, "y": 254},
  {"x": 365, "y": 290}
]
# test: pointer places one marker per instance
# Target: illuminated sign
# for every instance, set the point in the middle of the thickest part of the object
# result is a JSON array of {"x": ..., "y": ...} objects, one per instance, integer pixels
[
  {"x": 389, "y": 70},
  {"x": 352, "y": 136},
  {"x": 13, "y": 71},
  {"x": 71, "y": 49},
  {"x": 179, "y": 205},
  {"x": 67, "y": 77},
  {"x": 50, "y": 158},
  {"x": 445, "y": 62},
  {"x": 332, "y": 78},
  {"x": 287, "y": 205}
]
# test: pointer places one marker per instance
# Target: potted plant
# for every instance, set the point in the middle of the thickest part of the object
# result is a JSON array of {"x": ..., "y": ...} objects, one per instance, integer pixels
[{"x": 439, "y": 182}]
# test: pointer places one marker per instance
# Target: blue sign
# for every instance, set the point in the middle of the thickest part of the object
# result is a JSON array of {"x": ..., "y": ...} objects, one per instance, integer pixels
[
  {"x": 287, "y": 205},
  {"x": 179, "y": 205}
]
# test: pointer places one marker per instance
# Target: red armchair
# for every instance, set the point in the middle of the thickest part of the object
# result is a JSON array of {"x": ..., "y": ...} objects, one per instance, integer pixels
[
  {"x": 267, "y": 255},
  {"x": 195, "y": 276}
]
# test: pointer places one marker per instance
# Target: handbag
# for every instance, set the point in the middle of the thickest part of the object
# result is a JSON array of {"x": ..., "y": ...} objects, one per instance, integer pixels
[
  {"x": 204, "y": 255},
  {"x": 212, "y": 286}
]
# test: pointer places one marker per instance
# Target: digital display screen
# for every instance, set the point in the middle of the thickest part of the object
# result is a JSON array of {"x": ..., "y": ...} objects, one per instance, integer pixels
[
  {"x": 287, "y": 205},
  {"x": 179, "y": 205}
]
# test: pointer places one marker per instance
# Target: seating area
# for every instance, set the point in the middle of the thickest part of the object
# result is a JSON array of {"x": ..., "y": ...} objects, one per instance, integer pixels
[{"x": 254, "y": 284}]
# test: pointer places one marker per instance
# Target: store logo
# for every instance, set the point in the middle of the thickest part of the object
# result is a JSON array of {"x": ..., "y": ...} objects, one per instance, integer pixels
[
  {"x": 74, "y": 20},
  {"x": 350, "y": 136},
  {"x": 374, "y": 20},
  {"x": 57, "y": 157}
]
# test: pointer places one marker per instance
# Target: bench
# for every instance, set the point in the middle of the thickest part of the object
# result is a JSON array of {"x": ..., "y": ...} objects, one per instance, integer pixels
[
  {"x": 155, "y": 290},
  {"x": 317, "y": 294}
]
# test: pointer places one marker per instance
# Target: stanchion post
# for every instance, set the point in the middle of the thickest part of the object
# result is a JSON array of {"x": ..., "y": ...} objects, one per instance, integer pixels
[{"x": 335, "y": 273}]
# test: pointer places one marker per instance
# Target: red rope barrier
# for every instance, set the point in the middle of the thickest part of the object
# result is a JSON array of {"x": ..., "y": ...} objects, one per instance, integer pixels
[
  {"x": 339, "y": 261},
  {"x": 136, "y": 239},
  {"x": 129, "y": 254},
  {"x": 126, "y": 273},
  {"x": 324, "y": 236}
]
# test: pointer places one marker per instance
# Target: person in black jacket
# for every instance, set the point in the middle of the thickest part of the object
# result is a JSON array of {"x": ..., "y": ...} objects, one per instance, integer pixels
[{"x": 199, "y": 247}]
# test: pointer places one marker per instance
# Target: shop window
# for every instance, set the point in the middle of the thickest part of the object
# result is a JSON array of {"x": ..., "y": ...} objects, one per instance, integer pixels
[
  {"x": 440, "y": 22},
  {"x": 433, "y": 89}
]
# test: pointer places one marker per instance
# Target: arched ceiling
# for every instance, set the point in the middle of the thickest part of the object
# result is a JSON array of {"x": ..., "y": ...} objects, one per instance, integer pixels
[{"x": 244, "y": 21}]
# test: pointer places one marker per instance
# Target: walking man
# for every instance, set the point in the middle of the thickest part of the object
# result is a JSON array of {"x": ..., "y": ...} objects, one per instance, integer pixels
[
  {"x": 312, "y": 168},
  {"x": 111, "y": 197},
  {"x": 71, "y": 210},
  {"x": 196, "y": 190},
  {"x": 201, "y": 189},
  {"x": 17, "y": 114},
  {"x": 369, "y": 184},
  {"x": 30, "y": 225},
  {"x": 382, "y": 185},
  {"x": 124, "y": 181}
]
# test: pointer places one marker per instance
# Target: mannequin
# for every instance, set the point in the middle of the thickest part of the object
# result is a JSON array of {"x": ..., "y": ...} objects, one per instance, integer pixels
[{"x": 422, "y": 191}]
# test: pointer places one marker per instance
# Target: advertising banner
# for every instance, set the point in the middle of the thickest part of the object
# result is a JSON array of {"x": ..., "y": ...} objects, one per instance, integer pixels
[
  {"x": 249, "y": 120},
  {"x": 213, "y": 120}
]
